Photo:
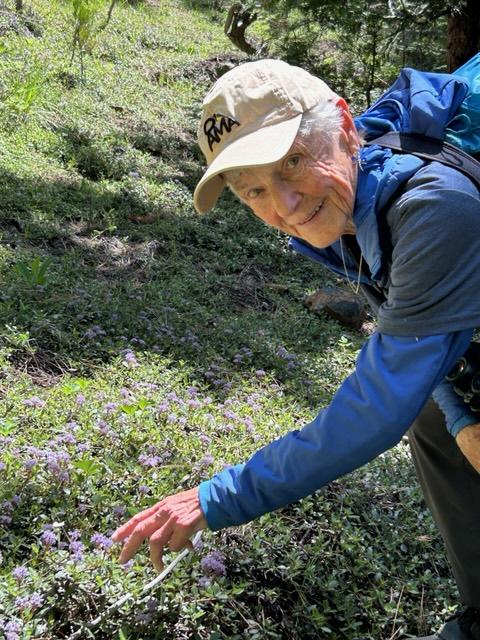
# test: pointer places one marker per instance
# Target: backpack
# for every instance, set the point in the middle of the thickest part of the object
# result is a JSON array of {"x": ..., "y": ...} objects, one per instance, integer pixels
[{"x": 460, "y": 147}]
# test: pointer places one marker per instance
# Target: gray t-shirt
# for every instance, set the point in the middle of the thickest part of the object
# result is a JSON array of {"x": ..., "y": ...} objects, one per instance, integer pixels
[{"x": 434, "y": 280}]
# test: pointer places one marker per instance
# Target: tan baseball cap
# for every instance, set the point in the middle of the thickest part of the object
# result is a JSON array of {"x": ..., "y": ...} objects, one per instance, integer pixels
[{"x": 250, "y": 117}]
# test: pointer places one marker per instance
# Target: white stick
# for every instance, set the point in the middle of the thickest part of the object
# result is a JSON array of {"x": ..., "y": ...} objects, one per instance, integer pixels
[{"x": 128, "y": 596}]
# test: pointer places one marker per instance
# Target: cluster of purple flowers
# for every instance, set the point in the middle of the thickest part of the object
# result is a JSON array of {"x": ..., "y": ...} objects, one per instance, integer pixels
[
  {"x": 291, "y": 359},
  {"x": 110, "y": 407},
  {"x": 20, "y": 573},
  {"x": 35, "y": 402},
  {"x": 213, "y": 564},
  {"x": 149, "y": 461},
  {"x": 12, "y": 629},
  {"x": 6, "y": 516},
  {"x": 80, "y": 399},
  {"x": 129, "y": 358},
  {"x": 215, "y": 374},
  {"x": 252, "y": 401},
  {"x": 191, "y": 340},
  {"x": 48, "y": 537},
  {"x": 143, "y": 617},
  {"x": 56, "y": 461},
  {"x": 244, "y": 354},
  {"x": 101, "y": 542},
  {"x": 94, "y": 332},
  {"x": 32, "y": 602},
  {"x": 76, "y": 546},
  {"x": 207, "y": 460}
]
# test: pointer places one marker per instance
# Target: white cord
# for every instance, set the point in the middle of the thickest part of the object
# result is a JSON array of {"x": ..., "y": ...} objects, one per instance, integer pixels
[
  {"x": 355, "y": 288},
  {"x": 87, "y": 627}
]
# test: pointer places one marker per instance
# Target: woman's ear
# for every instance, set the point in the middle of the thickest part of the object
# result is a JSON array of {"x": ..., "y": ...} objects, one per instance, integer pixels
[{"x": 348, "y": 126}]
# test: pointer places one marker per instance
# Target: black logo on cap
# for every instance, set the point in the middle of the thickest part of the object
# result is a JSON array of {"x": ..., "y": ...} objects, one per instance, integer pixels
[{"x": 215, "y": 126}]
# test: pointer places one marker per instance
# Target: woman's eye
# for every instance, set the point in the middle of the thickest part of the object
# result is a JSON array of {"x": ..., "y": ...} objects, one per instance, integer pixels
[
  {"x": 253, "y": 193},
  {"x": 292, "y": 162}
]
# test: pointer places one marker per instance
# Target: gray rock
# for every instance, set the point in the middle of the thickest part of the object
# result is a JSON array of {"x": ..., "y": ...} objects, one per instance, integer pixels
[{"x": 343, "y": 306}]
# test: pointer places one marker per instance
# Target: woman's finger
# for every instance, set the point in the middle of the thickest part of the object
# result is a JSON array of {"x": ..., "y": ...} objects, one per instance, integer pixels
[
  {"x": 142, "y": 531},
  {"x": 126, "y": 529}
]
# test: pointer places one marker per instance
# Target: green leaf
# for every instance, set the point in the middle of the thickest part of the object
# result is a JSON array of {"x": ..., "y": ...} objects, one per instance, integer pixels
[{"x": 88, "y": 466}]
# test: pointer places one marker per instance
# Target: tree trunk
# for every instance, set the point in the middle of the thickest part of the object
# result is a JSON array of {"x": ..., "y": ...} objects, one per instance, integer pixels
[{"x": 463, "y": 34}]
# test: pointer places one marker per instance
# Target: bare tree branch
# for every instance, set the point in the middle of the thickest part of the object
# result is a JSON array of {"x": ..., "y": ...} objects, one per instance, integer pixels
[{"x": 238, "y": 20}]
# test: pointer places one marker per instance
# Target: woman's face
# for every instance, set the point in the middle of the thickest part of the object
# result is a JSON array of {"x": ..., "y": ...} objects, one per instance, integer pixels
[{"x": 309, "y": 193}]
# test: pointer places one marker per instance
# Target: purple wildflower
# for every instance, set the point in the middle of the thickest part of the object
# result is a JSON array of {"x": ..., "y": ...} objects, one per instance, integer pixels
[
  {"x": 13, "y": 627},
  {"x": 66, "y": 438},
  {"x": 101, "y": 541},
  {"x": 152, "y": 605},
  {"x": 128, "y": 565},
  {"x": 214, "y": 564},
  {"x": 22, "y": 603},
  {"x": 34, "y": 402},
  {"x": 129, "y": 358},
  {"x": 76, "y": 549},
  {"x": 149, "y": 461},
  {"x": 143, "y": 489},
  {"x": 206, "y": 460},
  {"x": 80, "y": 399},
  {"x": 119, "y": 510},
  {"x": 94, "y": 332},
  {"x": 5, "y": 520},
  {"x": 35, "y": 600},
  {"x": 20, "y": 573},
  {"x": 48, "y": 538},
  {"x": 103, "y": 427},
  {"x": 110, "y": 407},
  {"x": 2, "y": 465},
  {"x": 260, "y": 373},
  {"x": 204, "y": 582},
  {"x": 143, "y": 617}
]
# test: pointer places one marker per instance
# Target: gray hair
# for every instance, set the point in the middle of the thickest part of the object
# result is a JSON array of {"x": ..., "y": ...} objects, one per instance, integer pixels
[{"x": 323, "y": 120}]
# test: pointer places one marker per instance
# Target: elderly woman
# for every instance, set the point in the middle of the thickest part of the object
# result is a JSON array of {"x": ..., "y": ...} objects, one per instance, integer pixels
[{"x": 406, "y": 231}]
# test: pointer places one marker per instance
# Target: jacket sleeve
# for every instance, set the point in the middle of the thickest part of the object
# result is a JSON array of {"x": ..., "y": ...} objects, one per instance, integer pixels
[
  {"x": 371, "y": 411},
  {"x": 456, "y": 411}
]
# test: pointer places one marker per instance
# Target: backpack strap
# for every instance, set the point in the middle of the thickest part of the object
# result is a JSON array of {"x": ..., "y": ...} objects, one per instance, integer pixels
[{"x": 431, "y": 149}]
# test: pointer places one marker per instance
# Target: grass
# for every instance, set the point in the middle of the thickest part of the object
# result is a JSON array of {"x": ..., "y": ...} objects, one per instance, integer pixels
[{"x": 143, "y": 348}]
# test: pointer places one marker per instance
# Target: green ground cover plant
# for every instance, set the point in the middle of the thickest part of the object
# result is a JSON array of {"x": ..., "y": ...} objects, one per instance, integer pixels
[{"x": 143, "y": 348}]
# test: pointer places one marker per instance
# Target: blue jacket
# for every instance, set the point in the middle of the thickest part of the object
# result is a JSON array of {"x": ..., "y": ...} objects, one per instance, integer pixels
[{"x": 396, "y": 372}]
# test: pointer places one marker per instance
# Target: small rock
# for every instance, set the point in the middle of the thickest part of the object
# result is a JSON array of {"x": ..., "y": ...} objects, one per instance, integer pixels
[{"x": 343, "y": 306}]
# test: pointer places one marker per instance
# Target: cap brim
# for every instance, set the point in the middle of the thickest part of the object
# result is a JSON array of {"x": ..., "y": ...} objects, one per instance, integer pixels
[{"x": 262, "y": 146}]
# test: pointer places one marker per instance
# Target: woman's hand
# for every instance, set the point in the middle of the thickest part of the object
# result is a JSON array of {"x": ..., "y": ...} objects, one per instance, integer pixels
[
  {"x": 171, "y": 522},
  {"x": 468, "y": 439}
]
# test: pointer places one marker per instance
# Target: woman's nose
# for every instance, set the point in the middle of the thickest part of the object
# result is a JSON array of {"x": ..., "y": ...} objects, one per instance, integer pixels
[{"x": 286, "y": 199}]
